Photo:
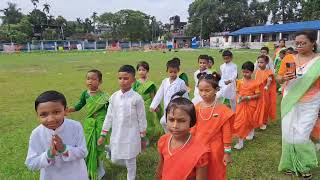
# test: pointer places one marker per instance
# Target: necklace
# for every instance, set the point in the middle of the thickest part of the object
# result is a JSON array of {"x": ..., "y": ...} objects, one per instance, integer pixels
[
  {"x": 211, "y": 113},
  {"x": 180, "y": 147},
  {"x": 302, "y": 65}
]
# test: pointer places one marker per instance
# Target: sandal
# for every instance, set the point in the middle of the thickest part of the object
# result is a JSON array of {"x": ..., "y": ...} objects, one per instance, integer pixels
[
  {"x": 307, "y": 176},
  {"x": 288, "y": 173}
]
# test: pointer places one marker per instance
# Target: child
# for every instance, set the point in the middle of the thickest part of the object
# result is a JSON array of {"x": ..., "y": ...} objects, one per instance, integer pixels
[
  {"x": 211, "y": 69},
  {"x": 213, "y": 127},
  {"x": 290, "y": 50},
  {"x": 266, "y": 107},
  {"x": 277, "y": 61},
  {"x": 181, "y": 156},
  {"x": 168, "y": 87},
  {"x": 270, "y": 65},
  {"x": 147, "y": 89},
  {"x": 247, "y": 94},
  {"x": 127, "y": 118},
  {"x": 57, "y": 147},
  {"x": 96, "y": 103},
  {"x": 203, "y": 61},
  {"x": 228, "y": 80}
]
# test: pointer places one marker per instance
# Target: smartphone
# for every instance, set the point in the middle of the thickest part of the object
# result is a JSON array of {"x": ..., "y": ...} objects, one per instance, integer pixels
[{"x": 291, "y": 67}]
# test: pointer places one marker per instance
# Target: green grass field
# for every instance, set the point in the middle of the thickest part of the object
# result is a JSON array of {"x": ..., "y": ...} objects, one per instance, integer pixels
[{"x": 24, "y": 76}]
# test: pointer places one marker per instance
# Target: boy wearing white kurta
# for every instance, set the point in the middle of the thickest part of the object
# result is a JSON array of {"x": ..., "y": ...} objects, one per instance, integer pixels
[
  {"x": 127, "y": 118},
  {"x": 203, "y": 61},
  {"x": 57, "y": 147},
  {"x": 169, "y": 87},
  {"x": 228, "y": 79}
]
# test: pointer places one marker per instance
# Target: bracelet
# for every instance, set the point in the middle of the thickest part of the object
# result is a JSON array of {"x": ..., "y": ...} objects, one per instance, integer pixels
[
  {"x": 103, "y": 135},
  {"x": 49, "y": 155}
]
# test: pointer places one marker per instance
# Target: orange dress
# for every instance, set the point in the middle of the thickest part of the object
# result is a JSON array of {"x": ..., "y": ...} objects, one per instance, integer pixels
[
  {"x": 213, "y": 128},
  {"x": 244, "y": 120},
  {"x": 267, "y": 103},
  {"x": 181, "y": 163}
]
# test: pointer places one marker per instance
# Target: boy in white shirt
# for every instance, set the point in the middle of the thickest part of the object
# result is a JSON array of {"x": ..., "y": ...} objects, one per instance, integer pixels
[
  {"x": 127, "y": 117},
  {"x": 57, "y": 146},
  {"x": 228, "y": 71},
  {"x": 169, "y": 87},
  {"x": 203, "y": 61}
]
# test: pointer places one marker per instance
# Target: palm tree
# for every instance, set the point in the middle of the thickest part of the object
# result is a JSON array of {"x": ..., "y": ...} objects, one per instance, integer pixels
[
  {"x": 35, "y": 2},
  {"x": 12, "y": 14},
  {"x": 46, "y": 9},
  {"x": 94, "y": 19}
]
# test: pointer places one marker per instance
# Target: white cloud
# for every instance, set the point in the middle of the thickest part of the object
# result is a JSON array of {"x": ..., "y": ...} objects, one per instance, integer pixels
[{"x": 72, "y": 9}]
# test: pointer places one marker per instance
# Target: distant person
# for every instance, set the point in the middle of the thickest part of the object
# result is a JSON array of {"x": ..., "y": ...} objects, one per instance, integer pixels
[
  {"x": 203, "y": 61},
  {"x": 281, "y": 46},
  {"x": 265, "y": 51},
  {"x": 211, "y": 67}
]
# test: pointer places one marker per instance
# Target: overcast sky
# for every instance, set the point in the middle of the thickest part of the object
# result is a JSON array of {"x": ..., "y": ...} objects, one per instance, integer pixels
[{"x": 72, "y": 9}]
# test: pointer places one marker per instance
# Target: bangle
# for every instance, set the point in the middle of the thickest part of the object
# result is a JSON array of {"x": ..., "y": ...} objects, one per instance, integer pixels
[
  {"x": 228, "y": 150},
  {"x": 103, "y": 135}
]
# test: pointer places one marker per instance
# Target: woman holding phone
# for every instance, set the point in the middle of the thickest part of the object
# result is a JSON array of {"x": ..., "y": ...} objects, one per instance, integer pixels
[{"x": 300, "y": 106}]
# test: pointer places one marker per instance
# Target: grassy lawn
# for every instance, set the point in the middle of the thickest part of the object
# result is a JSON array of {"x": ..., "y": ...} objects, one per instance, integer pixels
[{"x": 24, "y": 76}]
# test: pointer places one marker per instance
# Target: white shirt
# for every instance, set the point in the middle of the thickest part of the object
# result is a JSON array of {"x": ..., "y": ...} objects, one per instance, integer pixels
[
  {"x": 197, "y": 98},
  {"x": 270, "y": 65},
  {"x": 127, "y": 117},
  {"x": 228, "y": 72},
  {"x": 71, "y": 167},
  {"x": 166, "y": 91}
]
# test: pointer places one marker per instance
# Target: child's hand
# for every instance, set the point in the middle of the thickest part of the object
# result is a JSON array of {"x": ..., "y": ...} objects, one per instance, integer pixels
[
  {"x": 227, "y": 159},
  {"x": 152, "y": 110},
  {"x": 288, "y": 76},
  {"x": 101, "y": 140},
  {"x": 53, "y": 149},
  {"x": 240, "y": 99},
  {"x": 266, "y": 88},
  {"x": 227, "y": 82},
  {"x": 58, "y": 143}
]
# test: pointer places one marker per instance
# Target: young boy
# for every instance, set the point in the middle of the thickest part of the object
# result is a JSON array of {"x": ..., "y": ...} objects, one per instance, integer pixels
[
  {"x": 169, "y": 87},
  {"x": 229, "y": 74},
  {"x": 127, "y": 118},
  {"x": 57, "y": 147},
  {"x": 203, "y": 61},
  {"x": 211, "y": 69},
  {"x": 265, "y": 51}
]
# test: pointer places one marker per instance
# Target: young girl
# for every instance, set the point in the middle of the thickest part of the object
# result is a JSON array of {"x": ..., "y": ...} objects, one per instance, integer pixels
[
  {"x": 181, "y": 156},
  {"x": 147, "y": 89},
  {"x": 247, "y": 94},
  {"x": 97, "y": 103},
  {"x": 169, "y": 86},
  {"x": 213, "y": 127},
  {"x": 266, "y": 107}
]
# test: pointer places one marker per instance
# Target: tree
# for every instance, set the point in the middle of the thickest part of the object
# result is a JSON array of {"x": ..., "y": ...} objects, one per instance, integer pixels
[
  {"x": 258, "y": 12},
  {"x": 311, "y": 10},
  {"x": 285, "y": 10},
  {"x": 35, "y": 3},
  {"x": 12, "y": 14},
  {"x": 94, "y": 18}
]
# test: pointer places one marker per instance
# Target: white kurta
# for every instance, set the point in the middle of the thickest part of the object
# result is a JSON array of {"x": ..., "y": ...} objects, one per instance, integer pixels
[
  {"x": 228, "y": 72},
  {"x": 197, "y": 98},
  {"x": 166, "y": 91},
  {"x": 72, "y": 167},
  {"x": 127, "y": 117}
]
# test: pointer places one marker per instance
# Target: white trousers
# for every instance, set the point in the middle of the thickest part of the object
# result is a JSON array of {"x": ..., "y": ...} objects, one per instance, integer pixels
[{"x": 131, "y": 165}]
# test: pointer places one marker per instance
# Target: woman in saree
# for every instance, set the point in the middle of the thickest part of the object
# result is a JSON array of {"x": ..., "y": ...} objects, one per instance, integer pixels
[
  {"x": 147, "y": 89},
  {"x": 300, "y": 106},
  {"x": 96, "y": 103}
]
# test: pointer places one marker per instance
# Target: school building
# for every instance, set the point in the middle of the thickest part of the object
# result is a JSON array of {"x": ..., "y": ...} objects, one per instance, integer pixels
[{"x": 258, "y": 36}]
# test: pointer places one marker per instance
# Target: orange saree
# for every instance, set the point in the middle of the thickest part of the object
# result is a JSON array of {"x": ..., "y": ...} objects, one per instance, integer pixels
[
  {"x": 213, "y": 128},
  {"x": 244, "y": 120},
  {"x": 267, "y": 103}
]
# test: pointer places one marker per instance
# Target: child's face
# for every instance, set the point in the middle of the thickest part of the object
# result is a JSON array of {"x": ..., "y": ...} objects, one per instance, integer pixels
[
  {"x": 264, "y": 52},
  {"x": 281, "y": 55},
  {"x": 173, "y": 73},
  {"x": 227, "y": 59},
  {"x": 93, "y": 82},
  {"x": 51, "y": 114},
  {"x": 206, "y": 91},
  {"x": 262, "y": 64},
  {"x": 210, "y": 64},
  {"x": 203, "y": 64},
  {"x": 142, "y": 72},
  {"x": 246, "y": 73},
  {"x": 178, "y": 123},
  {"x": 125, "y": 81}
]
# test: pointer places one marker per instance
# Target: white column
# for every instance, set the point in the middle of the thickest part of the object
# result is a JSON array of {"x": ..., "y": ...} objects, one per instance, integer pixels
[
  {"x": 280, "y": 35},
  {"x": 95, "y": 45},
  {"x": 140, "y": 44},
  {"x": 29, "y": 49},
  {"x": 107, "y": 44},
  {"x": 42, "y": 47},
  {"x": 239, "y": 38},
  {"x": 69, "y": 45},
  {"x": 250, "y": 38},
  {"x": 82, "y": 45},
  {"x": 261, "y": 38},
  {"x": 318, "y": 37},
  {"x": 55, "y": 46}
]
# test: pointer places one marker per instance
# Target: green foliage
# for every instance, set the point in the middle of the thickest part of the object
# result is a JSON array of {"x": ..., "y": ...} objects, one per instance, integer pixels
[
  {"x": 311, "y": 10},
  {"x": 285, "y": 11},
  {"x": 11, "y": 14}
]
